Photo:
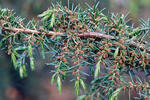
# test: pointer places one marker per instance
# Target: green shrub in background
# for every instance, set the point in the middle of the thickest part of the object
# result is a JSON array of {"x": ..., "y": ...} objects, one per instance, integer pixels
[{"x": 135, "y": 5}]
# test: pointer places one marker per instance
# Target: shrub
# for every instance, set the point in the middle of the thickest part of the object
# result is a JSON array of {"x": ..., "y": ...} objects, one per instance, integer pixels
[{"x": 79, "y": 39}]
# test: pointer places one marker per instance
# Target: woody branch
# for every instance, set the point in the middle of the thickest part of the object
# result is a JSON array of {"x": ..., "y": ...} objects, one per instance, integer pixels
[{"x": 85, "y": 34}]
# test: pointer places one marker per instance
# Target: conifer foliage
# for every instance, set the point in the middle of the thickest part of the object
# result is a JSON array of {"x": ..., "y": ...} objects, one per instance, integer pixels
[{"x": 77, "y": 39}]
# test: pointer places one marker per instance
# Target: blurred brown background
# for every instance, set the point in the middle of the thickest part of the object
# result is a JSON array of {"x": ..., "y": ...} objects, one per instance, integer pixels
[{"x": 37, "y": 85}]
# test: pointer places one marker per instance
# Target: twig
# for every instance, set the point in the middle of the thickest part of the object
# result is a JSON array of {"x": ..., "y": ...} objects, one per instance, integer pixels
[{"x": 85, "y": 34}]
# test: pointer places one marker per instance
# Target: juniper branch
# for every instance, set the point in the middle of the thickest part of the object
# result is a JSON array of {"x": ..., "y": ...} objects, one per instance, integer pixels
[{"x": 85, "y": 34}]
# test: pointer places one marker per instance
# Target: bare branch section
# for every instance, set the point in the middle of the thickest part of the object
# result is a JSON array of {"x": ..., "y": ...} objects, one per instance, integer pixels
[{"x": 85, "y": 34}]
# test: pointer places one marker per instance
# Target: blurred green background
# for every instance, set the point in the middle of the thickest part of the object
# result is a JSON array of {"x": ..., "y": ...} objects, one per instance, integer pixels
[{"x": 37, "y": 85}]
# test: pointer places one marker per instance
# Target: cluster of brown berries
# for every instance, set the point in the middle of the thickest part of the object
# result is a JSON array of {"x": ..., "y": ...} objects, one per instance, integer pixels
[
  {"x": 104, "y": 49},
  {"x": 71, "y": 19}
]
